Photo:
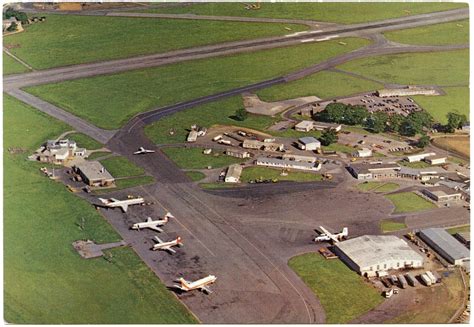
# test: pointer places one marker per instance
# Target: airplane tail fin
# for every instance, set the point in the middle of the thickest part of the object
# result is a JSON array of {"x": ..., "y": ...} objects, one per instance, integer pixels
[
  {"x": 148, "y": 219},
  {"x": 168, "y": 215},
  {"x": 104, "y": 201},
  {"x": 179, "y": 241},
  {"x": 345, "y": 232}
]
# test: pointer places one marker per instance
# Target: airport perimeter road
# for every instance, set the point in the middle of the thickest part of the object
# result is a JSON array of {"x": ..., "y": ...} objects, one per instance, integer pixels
[{"x": 115, "y": 66}]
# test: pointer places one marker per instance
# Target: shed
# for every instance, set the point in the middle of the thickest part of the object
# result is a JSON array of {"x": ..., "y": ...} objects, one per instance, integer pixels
[
  {"x": 446, "y": 245},
  {"x": 309, "y": 143},
  {"x": 94, "y": 174}
]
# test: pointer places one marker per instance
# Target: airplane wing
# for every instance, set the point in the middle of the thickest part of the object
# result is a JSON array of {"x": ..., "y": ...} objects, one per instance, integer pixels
[
  {"x": 158, "y": 229},
  {"x": 114, "y": 200},
  {"x": 158, "y": 240},
  {"x": 206, "y": 289},
  {"x": 124, "y": 207},
  {"x": 170, "y": 250}
]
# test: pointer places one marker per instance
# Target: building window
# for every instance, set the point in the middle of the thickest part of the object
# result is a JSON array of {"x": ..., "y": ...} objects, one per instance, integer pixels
[
  {"x": 398, "y": 264},
  {"x": 378, "y": 267},
  {"x": 384, "y": 266}
]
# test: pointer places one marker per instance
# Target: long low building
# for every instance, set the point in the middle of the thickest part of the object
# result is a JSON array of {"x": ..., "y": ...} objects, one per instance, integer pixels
[
  {"x": 233, "y": 174},
  {"x": 370, "y": 255},
  {"x": 446, "y": 245},
  {"x": 374, "y": 170},
  {"x": 407, "y": 91},
  {"x": 287, "y": 164},
  {"x": 298, "y": 157},
  {"x": 265, "y": 146},
  {"x": 442, "y": 193}
]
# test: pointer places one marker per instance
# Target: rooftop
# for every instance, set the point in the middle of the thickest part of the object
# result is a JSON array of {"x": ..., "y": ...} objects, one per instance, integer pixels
[
  {"x": 94, "y": 170},
  {"x": 308, "y": 140},
  {"x": 446, "y": 242},
  {"x": 286, "y": 162},
  {"x": 442, "y": 190}
]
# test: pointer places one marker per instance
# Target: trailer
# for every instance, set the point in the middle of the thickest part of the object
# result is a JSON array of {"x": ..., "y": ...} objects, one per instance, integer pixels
[
  {"x": 401, "y": 280},
  {"x": 426, "y": 280},
  {"x": 217, "y": 138},
  {"x": 431, "y": 276},
  {"x": 394, "y": 280},
  {"x": 411, "y": 280},
  {"x": 437, "y": 276}
]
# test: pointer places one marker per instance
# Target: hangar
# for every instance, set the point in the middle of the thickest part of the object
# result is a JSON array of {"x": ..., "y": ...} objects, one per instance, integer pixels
[
  {"x": 371, "y": 254},
  {"x": 94, "y": 174},
  {"x": 446, "y": 245}
]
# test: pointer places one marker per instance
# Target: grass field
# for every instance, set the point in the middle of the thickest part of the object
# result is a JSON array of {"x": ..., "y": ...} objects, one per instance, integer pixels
[
  {"x": 388, "y": 225},
  {"x": 323, "y": 85},
  {"x": 345, "y": 13},
  {"x": 49, "y": 283},
  {"x": 454, "y": 143},
  {"x": 66, "y": 39},
  {"x": 342, "y": 292},
  {"x": 460, "y": 229},
  {"x": 136, "y": 91},
  {"x": 379, "y": 187},
  {"x": 98, "y": 154},
  {"x": 121, "y": 167},
  {"x": 11, "y": 66},
  {"x": 85, "y": 141},
  {"x": 253, "y": 173},
  {"x": 127, "y": 183},
  {"x": 409, "y": 202},
  {"x": 455, "y": 100},
  {"x": 441, "y": 68},
  {"x": 419, "y": 164},
  {"x": 338, "y": 147},
  {"x": 439, "y": 34},
  {"x": 193, "y": 158},
  {"x": 195, "y": 176}
]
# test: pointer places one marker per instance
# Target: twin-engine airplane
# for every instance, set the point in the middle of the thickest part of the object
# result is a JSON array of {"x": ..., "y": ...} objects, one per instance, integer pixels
[
  {"x": 167, "y": 246},
  {"x": 153, "y": 224},
  {"x": 328, "y": 236},
  {"x": 200, "y": 284},
  {"x": 123, "y": 204},
  {"x": 142, "y": 150}
]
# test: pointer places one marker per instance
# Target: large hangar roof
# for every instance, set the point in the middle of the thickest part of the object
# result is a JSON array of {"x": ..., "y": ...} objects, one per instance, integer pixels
[{"x": 446, "y": 242}]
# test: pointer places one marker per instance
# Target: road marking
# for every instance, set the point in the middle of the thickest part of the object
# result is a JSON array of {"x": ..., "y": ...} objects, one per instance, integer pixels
[
  {"x": 307, "y": 40},
  {"x": 176, "y": 219},
  {"x": 298, "y": 33},
  {"x": 327, "y": 38}
]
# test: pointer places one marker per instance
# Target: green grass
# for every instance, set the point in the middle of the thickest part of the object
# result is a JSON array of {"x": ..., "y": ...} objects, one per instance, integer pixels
[
  {"x": 253, "y": 173},
  {"x": 387, "y": 226},
  {"x": 455, "y": 100},
  {"x": 121, "y": 167},
  {"x": 440, "y": 34},
  {"x": 387, "y": 187},
  {"x": 343, "y": 293},
  {"x": 67, "y": 39},
  {"x": 441, "y": 68},
  {"x": 459, "y": 229},
  {"x": 345, "y": 13},
  {"x": 48, "y": 283},
  {"x": 379, "y": 187},
  {"x": 339, "y": 148},
  {"x": 409, "y": 202},
  {"x": 127, "y": 183},
  {"x": 369, "y": 186},
  {"x": 193, "y": 158},
  {"x": 213, "y": 186},
  {"x": 136, "y": 91},
  {"x": 416, "y": 165},
  {"x": 324, "y": 85},
  {"x": 85, "y": 141},
  {"x": 98, "y": 154},
  {"x": 195, "y": 176},
  {"x": 11, "y": 66}
]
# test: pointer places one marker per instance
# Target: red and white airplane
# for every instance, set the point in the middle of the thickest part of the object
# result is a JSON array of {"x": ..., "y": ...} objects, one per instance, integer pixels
[
  {"x": 328, "y": 236},
  {"x": 153, "y": 224},
  {"x": 200, "y": 284},
  {"x": 167, "y": 246},
  {"x": 122, "y": 204},
  {"x": 142, "y": 150}
]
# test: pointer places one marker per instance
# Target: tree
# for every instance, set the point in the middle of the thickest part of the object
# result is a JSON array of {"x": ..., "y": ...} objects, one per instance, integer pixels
[
  {"x": 455, "y": 121},
  {"x": 241, "y": 114},
  {"x": 328, "y": 137},
  {"x": 410, "y": 127},
  {"x": 423, "y": 141},
  {"x": 13, "y": 27},
  {"x": 421, "y": 118},
  {"x": 334, "y": 112},
  {"x": 377, "y": 122},
  {"x": 355, "y": 115},
  {"x": 394, "y": 123}
]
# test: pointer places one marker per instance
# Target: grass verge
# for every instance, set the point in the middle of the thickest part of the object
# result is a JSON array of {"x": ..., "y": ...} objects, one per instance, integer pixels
[
  {"x": 253, "y": 173},
  {"x": 409, "y": 202},
  {"x": 85, "y": 141},
  {"x": 193, "y": 158},
  {"x": 343, "y": 294},
  {"x": 388, "y": 225},
  {"x": 459, "y": 229},
  {"x": 11, "y": 66},
  {"x": 195, "y": 176},
  {"x": 98, "y": 154},
  {"x": 121, "y": 167},
  {"x": 128, "y": 183}
]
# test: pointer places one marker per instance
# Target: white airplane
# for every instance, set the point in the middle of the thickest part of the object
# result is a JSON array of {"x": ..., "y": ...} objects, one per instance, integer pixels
[
  {"x": 167, "y": 246},
  {"x": 328, "y": 236},
  {"x": 153, "y": 224},
  {"x": 123, "y": 204},
  {"x": 142, "y": 150},
  {"x": 200, "y": 284}
]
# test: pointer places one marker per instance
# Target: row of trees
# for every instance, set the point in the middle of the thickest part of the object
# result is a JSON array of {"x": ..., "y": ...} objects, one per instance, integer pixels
[{"x": 21, "y": 16}]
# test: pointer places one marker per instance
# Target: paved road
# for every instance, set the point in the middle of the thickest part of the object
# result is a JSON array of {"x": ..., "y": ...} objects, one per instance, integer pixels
[{"x": 115, "y": 66}]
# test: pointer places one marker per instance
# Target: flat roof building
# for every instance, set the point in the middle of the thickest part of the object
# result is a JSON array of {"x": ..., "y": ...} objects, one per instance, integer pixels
[
  {"x": 419, "y": 157},
  {"x": 265, "y": 146},
  {"x": 308, "y": 143},
  {"x": 407, "y": 91},
  {"x": 94, "y": 174},
  {"x": 192, "y": 136},
  {"x": 442, "y": 193},
  {"x": 446, "y": 245},
  {"x": 233, "y": 173},
  {"x": 374, "y": 170},
  {"x": 362, "y": 153},
  {"x": 288, "y": 164},
  {"x": 372, "y": 254},
  {"x": 237, "y": 153},
  {"x": 436, "y": 160},
  {"x": 304, "y": 126},
  {"x": 298, "y": 157}
]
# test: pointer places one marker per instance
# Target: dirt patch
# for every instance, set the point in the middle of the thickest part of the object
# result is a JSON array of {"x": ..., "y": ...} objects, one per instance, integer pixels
[
  {"x": 457, "y": 144},
  {"x": 254, "y": 105}
]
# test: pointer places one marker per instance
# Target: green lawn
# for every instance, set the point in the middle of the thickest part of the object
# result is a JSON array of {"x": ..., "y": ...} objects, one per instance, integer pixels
[
  {"x": 418, "y": 164},
  {"x": 253, "y": 173},
  {"x": 440, "y": 34},
  {"x": 345, "y": 13},
  {"x": 195, "y": 176},
  {"x": 387, "y": 187},
  {"x": 67, "y": 39},
  {"x": 343, "y": 293},
  {"x": 388, "y": 225},
  {"x": 379, "y": 187},
  {"x": 11, "y": 66},
  {"x": 455, "y": 100},
  {"x": 48, "y": 282},
  {"x": 121, "y": 167},
  {"x": 85, "y": 141},
  {"x": 460, "y": 229},
  {"x": 339, "y": 148},
  {"x": 98, "y": 154},
  {"x": 193, "y": 158},
  {"x": 212, "y": 186},
  {"x": 136, "y": 91},
  {"x": 323, "y": 85},
  {"x": 441, "y": 68},
  {"x": 409, "y": 202},
  {"x": 127, "y": 183}
]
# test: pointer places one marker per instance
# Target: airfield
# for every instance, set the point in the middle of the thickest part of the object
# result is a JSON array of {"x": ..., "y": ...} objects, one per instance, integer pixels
[{"x": 244, "y": 235}]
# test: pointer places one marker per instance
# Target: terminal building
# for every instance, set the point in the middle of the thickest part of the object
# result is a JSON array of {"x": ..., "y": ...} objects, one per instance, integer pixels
[
  {"x": 370, "y": 255},
  {"x": 408, "y": 91},
  {"x": 94, "y": 174},
  {"x": 374, "y": 170},
  {"x": 287, "y": 164},
  {"x": 58, "y": 152},
  {"x": 446, "y": 245}
]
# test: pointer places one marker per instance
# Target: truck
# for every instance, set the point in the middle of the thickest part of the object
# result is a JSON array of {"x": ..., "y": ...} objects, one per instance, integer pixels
[
  {"x": 431, "y": 276},
  {"x": 401, "y": 280},
  {"x": 217, "y": 138},
  {"x": 227, "y": 142},
  {"x": 388, "y": 293},
  {"x": 411, "y": 279},
  {"x": 426, "y": 280},
  {"x": 394, "y": 280}
]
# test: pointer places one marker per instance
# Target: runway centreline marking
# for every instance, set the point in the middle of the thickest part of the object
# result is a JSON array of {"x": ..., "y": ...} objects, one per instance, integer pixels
[
  {"x": 275, "y": 267},
  {"x": 181, "y": 224}
]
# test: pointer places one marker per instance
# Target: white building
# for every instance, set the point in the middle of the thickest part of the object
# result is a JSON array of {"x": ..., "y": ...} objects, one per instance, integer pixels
[
  {"x": 237, "y": 153},
  {"x": 298, "y": 157},
  {"x": 58, "y": 152},
  {"x": 192, "y": 136},
  {"x": 265, "y": 146},
  {"x": 371, "y": 254},
  {"x": 309, "y": 143},
  {"x": 410, "y": 90},
  {"x": 436, "y": 160},
  {"x": 419, "y": 157},
  {"x": 304, "y": 126},
  {"x": 362, "y": 153},
  {"x": 442, "y": 193},
  {"x": 233, "y": 174},
  {"x": 446, "y": 245},
  {"x": 287, "y": 164}
]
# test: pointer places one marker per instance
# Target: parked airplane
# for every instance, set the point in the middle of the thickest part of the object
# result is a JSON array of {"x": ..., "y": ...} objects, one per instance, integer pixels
[
  {"x": 328, "y": 236},
  {"x": 123, "y": 204},
  {"x": 167, "y": 246},
  {"x": 142, "y": 150},
  {"x": 200, "y": 284},
  {"x": 153, "y": 224}
]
